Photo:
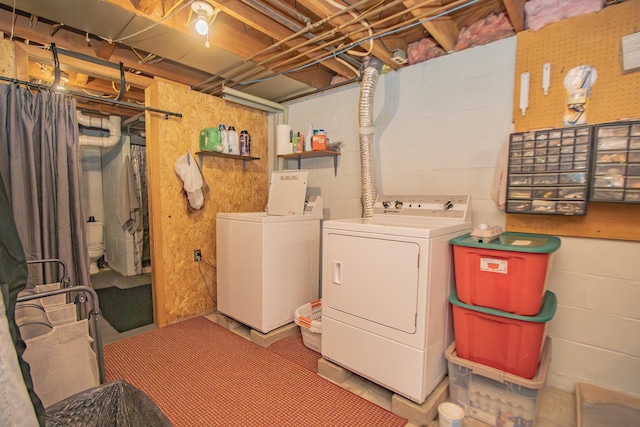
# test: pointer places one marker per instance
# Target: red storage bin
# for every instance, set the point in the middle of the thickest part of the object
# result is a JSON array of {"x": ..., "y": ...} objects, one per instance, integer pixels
[
  {"x": 502, "y": 340},
  {"x": 509, "y": 274}
]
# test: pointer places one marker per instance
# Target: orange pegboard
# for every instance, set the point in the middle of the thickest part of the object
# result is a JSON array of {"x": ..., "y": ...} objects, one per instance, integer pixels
[{"x": 592, "y": 39}]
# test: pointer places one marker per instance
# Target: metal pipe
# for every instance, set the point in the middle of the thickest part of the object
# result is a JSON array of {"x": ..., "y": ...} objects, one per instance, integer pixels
[
  {"x": 366, "y": 15},
  {"x": 112, "y": 124},
  {"x": 94, "y": 98},
  {"x": 281, "y": 42}
]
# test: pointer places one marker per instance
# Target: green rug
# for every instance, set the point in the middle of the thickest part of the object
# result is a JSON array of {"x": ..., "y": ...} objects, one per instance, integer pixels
[{"x": 126, "y": 309}]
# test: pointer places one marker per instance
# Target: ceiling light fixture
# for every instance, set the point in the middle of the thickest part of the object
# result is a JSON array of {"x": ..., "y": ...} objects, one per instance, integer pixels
[{"x": 204, "y": 11}]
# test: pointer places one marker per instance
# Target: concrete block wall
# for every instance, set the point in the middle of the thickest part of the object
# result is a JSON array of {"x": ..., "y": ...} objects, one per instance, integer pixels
[{"x": 439, "y": 127}]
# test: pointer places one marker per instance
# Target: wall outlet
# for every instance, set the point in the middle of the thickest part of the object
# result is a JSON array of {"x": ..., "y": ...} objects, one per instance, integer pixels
[{"x": 197, "y": 255}]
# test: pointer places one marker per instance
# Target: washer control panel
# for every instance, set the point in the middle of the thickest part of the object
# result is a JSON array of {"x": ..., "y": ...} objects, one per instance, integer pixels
[{"x": 454, "y": 207}]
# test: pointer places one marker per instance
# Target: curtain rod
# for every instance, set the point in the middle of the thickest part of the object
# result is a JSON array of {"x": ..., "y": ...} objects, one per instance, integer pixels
[{"x": 95, "y": 98}]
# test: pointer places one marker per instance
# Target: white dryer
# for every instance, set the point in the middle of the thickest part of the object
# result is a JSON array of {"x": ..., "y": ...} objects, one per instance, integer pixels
[
  {"x": 268, "y": 262},
  {"x": 385, "y": 287}
]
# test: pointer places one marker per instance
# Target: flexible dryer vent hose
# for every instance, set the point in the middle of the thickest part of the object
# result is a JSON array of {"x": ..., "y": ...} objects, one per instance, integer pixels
[{"x": 365, "y": 113}]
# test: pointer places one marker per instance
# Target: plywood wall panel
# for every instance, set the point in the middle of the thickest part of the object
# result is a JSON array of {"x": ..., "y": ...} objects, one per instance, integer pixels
[
  {"x": 7, "y": 59},
  {"x": 591, "y": 39},
  {"x": 176, "y": 228}
]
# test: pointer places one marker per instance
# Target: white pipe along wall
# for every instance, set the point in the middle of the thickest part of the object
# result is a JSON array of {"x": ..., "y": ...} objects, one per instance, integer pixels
[{"x": 112, "y": 124}]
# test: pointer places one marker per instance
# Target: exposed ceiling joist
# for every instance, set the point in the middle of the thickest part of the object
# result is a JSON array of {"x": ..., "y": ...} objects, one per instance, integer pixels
[{"x": 276, "y": 49}]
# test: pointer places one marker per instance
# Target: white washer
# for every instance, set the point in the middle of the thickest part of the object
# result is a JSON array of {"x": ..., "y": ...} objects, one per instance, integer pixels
[
  {"x": 268, "y": 262},
  {"x": 385, "y": 287}
]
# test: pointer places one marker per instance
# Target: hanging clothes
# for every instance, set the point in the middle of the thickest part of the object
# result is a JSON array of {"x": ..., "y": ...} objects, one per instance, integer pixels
[{"x": 127, "y": 203}]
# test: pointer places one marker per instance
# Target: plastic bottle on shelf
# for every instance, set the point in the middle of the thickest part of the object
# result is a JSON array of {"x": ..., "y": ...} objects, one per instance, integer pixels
[
  {"x": 224, "y": 138},
  {"x": 245, "y": 143},
  {"x": 319, "y": 141},
  {"x": 234, "y": 143},
  {"x": 307, "y": 139}
]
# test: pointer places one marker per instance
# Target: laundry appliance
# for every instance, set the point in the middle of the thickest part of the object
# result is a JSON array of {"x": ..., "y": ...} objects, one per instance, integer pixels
[
  {"x": 268, "y": 262},
  {"x": 386, "y": 280}
]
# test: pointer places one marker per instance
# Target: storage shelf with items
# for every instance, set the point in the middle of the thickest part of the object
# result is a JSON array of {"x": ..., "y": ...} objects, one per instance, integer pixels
[
  {"x": 226, "y": 156},
  {"x": 549, "y": 171},
  {"x": 312, "y": 154},
  {"x": 616, "y": 170}
]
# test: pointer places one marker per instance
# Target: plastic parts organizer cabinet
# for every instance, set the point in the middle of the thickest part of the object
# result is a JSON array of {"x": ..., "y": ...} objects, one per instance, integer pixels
[
  {"x": 508, "y": 274},
  {"x": 493, "y": 396},
  {"x": 548, "y": 171},
  {"x": 499, "y": 339},
  {"x": 616, "y": 171}
]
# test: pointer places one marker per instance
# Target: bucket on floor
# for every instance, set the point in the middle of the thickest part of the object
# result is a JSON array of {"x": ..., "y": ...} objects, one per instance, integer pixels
[
  {"x": 450, "y": 415},
  {"x": 309, "y": 318}
]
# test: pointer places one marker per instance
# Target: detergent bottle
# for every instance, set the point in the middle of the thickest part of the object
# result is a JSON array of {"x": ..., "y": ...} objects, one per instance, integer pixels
[
  {"x": 234, "y": 143},
  {"x": 224, "y": 139}
]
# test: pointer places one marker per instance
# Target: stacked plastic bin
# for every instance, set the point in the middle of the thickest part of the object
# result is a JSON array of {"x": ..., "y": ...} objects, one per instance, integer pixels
[{"x": 501, "y": 307}]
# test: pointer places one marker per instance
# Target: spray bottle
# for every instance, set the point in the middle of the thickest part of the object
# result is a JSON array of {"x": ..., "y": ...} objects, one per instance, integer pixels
[{"x": 307, "y": 139}]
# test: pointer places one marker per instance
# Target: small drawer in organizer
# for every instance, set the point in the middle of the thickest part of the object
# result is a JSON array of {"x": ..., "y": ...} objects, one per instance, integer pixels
[
  {"x": 616, "y": 163},
  {"x": 633, "y": 182},
  {"x": 549, "y": 171},
  {"x": 633, "y": 170}
]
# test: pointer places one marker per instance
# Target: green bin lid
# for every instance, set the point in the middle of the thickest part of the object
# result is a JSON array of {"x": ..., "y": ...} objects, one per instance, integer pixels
[
  {"x": 516, "y": 242},
  {"x": 546, "y": 312}
]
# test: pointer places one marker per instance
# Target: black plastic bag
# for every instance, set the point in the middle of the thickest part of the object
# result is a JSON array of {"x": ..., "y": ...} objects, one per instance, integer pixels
[{"x": 116, "y": 403}]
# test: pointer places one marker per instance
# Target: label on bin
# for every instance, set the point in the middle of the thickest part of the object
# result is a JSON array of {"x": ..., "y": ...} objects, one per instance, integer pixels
[{"x": 494, "y": 265}]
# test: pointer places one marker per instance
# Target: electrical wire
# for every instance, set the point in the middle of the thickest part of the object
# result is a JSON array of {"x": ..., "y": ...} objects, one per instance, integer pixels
[
  {"x": 155, "y": 24},
  {"x": 202, "y": 260},
  {"x": 13, "y": 20},
  {"x": 334, "y": 54}
]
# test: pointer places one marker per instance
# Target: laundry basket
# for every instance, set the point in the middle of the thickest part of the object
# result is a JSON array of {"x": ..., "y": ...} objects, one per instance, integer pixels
[{"x": 309, "y": 318}]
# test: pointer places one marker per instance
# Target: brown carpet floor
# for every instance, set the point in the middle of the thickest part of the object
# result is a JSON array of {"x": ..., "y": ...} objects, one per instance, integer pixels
[
  {"x": 292, "y": 348},
  {"x": 200, "y": 374}
]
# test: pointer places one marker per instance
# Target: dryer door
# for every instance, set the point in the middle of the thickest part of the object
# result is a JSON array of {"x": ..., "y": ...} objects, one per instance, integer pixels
[{"x": 372, "y": 279}]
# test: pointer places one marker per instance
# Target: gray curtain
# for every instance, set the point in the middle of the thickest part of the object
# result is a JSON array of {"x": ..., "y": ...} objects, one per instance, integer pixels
[
  {"x": 40, "y": 166},
  {"x": 141, "y": 237}
]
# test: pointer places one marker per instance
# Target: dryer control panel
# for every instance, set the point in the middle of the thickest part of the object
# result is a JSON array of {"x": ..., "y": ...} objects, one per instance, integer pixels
[{"x": 445, "y": 207}]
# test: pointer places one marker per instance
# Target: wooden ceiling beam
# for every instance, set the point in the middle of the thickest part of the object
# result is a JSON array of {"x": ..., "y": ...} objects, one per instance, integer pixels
[
  {"x": 252, "y": 18},
  {"x": 444, "y": 30},
  {"x": 323, "y": 9},
  {"x": 105, "y": 50},
  {"x": 515, "y": 10}
]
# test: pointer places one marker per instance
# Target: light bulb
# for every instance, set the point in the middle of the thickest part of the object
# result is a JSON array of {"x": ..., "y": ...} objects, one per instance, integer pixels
[{"x": 201, "y": 25}]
